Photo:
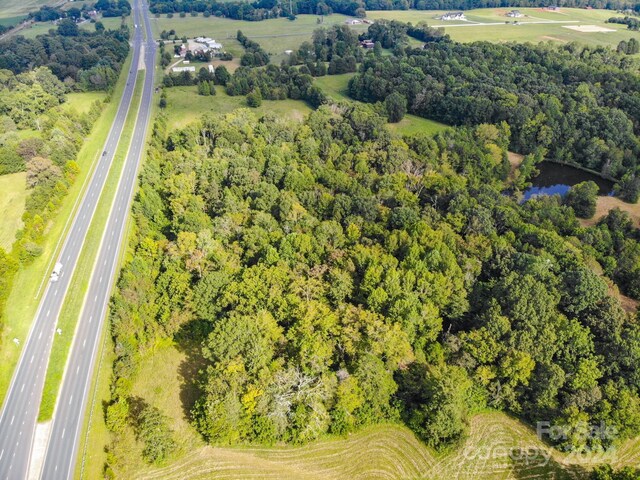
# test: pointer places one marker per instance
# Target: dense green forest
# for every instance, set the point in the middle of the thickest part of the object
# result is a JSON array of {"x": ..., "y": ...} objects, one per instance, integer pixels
[
  {"x": 337, "y": 276},
  {"x": 264, "y": 9},
  {"x": 580, "y": 105},
  {"x": 42, "y": 138},
  {"x": 83, "y": 60}
]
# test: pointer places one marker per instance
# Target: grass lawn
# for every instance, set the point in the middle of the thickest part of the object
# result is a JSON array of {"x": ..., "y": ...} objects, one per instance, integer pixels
[
  {"x": 185, "y": 106},
  {"x": 14, "y": 8},
  {"x": 11, "y": 21},
  {"x": 275, "y": 36},
  {"x": 13, "y": 194},
  {"x": 412, "y": 124},
  {"x": 76, "y": 294},
  {"x": 335, "y": 86},
  {"x": 489, "y": 24},
  {"x": 25, "y": 295},
  {"x": 81, "y": 101}
]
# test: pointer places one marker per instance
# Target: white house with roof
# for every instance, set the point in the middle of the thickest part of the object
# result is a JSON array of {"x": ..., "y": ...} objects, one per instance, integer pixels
[
  {"x": 183, "y": 69},
  {"x": 453, "y": 16}
]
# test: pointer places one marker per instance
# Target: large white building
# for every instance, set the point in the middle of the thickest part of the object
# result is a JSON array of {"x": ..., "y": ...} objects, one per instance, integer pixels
[
  {"x": 183, "y": 69},
  {"x": 205, "y": 44}
]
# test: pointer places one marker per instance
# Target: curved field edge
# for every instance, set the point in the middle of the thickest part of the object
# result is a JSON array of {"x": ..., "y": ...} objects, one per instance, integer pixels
[{"x": 384, "y": 452}]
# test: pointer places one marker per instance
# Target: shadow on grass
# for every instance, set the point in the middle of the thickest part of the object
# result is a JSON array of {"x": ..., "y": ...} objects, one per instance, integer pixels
[{"x": 189, "y": 341}]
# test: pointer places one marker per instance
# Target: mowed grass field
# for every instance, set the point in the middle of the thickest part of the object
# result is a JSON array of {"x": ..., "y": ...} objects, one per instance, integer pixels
[
  {"x": 13, "y": 194},
  {"x": 492, "y": 450},
  {"x": 489, "y": 24},
  {"x": 185, "y": 106},
  {"x": 275, "y": 36},
  {"x": 16, "y": 8}
]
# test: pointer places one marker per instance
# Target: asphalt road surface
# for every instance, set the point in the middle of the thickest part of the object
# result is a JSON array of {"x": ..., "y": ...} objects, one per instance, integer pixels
[
  {"x": 20, "y": 411},
  {"x": 62, "y": 448}
]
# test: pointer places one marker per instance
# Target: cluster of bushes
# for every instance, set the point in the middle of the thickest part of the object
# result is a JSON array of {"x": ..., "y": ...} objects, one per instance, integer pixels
[
  {"x": 31, "y": 103},
  {"x": 83, "y": 60},
  {"x": 113, "y": 8},
  {"x": 254, "y": 55},
  {"x": 258, "y": 9},
  {"x": 276, "y": 83},
  {"x": 338, "y": 45},
  {"x": 630, "y": 47},
  {"x": 632, "y": 23}
]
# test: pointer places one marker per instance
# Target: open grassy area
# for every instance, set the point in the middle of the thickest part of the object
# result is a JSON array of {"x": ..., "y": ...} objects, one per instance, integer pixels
[
  {"x": 27, "y": 288},
  {"x": 14, "y": 8},
  {"x": 165, "y": 380},
  {"x": 275, "y": 36},
  {"x": 13, "y": 194},
  {"x": 185, "y": 106},
  {"x": 76, "y": 294},
  {"x": 81, "y": 101},
  {"x": 10, "y": 21},
  {"x": 335, "y": 86},
  {"x": 489, "y": 24}
]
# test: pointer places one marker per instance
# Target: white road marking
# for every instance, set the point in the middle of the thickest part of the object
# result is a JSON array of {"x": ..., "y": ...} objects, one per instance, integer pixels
[
  {"x": 90, "y": 318},
  {"x": 96, "y": 298},
  {"x": 40, "y": 336},
  {"x": 1, "y": 454},
  {"x": 77, "y": 369},
  {"x": 63, "y": 430},
  {"x": 48, "y": 312},
  {"x": 22, "y": 389},
  {"x": 84, "y": 343},
  {"x": 12, "y": 418},
  {"x": 70, "y": 398},
  {"x": 32, "y": 358}
]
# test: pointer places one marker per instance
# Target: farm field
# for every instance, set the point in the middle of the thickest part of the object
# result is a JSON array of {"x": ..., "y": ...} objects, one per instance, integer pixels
[
  {"x": 489, "y": 24},
  {"x": 13, "y": 8},
  {"x": 275, "y": 36},
  {"x": 10, "y": 21},
  {"x": 13, "y": 194}
]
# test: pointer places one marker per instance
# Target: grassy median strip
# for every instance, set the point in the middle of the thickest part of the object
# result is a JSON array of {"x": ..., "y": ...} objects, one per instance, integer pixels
[
  {"x": 82, "y": 274},
  {"x": 95, "y": 435},
  {"x": 28, "y": 284}
]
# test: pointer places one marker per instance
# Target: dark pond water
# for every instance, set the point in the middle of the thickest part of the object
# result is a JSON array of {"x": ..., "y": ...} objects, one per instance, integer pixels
[{"x": 558, "y": 179}]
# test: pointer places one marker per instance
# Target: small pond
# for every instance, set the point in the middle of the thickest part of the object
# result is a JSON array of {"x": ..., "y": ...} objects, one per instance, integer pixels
[{"x": 556, "y": 179}]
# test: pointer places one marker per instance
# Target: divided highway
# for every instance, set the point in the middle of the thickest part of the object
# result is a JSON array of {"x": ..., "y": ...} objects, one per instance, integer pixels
[
  {"x": 62, "y": 449},
  {"x": 19, "y": 415}
]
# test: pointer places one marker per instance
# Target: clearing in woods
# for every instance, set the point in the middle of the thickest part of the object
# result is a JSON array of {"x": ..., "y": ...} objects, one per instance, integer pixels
[{"x": 13, "y": 195}]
